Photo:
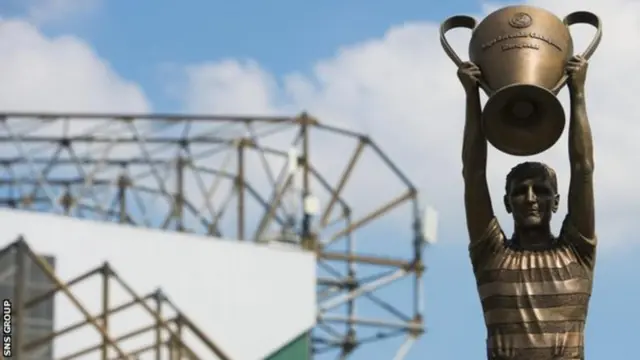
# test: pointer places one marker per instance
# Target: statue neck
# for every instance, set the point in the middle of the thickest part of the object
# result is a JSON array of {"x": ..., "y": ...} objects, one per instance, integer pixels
[{"x": 533, "y": 238}]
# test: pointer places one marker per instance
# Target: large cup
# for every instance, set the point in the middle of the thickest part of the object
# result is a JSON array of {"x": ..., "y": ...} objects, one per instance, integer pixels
[{"x": 522, "y": 52}]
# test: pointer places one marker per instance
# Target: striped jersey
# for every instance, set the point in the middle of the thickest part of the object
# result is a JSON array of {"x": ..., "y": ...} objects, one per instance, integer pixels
[{"x": 535, "y": 302}]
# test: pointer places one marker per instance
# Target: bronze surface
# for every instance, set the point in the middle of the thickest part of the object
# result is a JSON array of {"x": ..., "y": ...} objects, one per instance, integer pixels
[
  {"x": 545, "y": 310},
  {"x": 522, "y": 52},
  {"x": 534, "y": 287}
]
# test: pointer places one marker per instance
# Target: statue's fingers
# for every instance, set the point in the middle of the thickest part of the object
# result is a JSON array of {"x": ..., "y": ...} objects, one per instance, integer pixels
[{"x": 467, "y": 65}]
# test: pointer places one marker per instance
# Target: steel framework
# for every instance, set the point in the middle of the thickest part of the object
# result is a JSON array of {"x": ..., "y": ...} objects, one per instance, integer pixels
[
  {"x": 244, "y": 178},
  {"x": 168, "y": 324}
]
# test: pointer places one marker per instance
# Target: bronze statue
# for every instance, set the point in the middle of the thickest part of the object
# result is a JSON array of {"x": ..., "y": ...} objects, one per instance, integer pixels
[
  {"x": 522, "y": 52},
  {"x": 534, "y": 287}
]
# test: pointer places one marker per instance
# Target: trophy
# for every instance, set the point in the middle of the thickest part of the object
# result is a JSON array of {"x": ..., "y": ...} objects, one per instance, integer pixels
[{"x": 522, "y": 52}]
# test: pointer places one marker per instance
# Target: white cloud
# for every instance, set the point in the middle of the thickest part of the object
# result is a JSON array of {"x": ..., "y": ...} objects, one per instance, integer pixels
[
  {"x": 207, "y": 90},
  {"x": 47, "y": 11},
  {"x": 403, "y": 91},
  {"x": 59, "y": 74}
]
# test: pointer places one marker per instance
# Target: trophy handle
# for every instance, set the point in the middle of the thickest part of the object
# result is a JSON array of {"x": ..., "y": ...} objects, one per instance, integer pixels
[
  {"x": 582, "y": 17},
  {"x": 454, "y": 22}
]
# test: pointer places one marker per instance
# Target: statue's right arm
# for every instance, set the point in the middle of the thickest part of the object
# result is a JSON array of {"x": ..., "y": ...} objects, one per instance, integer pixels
[{"x": 479, "y": 210}]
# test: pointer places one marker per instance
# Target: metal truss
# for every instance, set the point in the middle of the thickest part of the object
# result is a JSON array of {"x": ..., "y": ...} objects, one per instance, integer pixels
[
  {"x": 166, "y": 324},
  {"x": 263, "y": 179}
]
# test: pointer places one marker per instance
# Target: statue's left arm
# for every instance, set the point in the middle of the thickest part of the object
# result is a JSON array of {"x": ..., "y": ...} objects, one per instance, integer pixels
[{"x": 581, "y": 213}]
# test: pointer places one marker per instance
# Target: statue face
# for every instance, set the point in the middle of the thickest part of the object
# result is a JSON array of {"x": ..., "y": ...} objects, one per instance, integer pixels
[{"x": 532, "y": 201}]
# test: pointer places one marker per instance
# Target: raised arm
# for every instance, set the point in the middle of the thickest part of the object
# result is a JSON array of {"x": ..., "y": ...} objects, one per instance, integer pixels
[
  {"x": 478, "y": 206},
  {"x": 581, "y": 200}
]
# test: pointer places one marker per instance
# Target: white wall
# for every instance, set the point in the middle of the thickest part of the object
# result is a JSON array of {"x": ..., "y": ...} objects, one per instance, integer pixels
[{"x": 249, "y": 299}]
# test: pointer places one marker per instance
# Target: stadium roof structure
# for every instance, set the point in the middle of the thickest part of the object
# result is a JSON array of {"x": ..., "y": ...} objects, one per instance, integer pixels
[{"x": 264, "y": 179}]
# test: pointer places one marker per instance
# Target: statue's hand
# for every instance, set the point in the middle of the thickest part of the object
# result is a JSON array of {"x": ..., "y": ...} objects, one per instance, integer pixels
[
  {"x": 577, "y": 70},
  {"x": 469, "y": 75}
]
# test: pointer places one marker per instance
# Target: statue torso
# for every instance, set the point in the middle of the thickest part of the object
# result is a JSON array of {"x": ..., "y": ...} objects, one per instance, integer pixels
[{"x": 535, "y": 302}]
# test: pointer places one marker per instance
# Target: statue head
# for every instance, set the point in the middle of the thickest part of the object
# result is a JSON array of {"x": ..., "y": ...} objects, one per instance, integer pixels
[{"x": 531, "y": 195}]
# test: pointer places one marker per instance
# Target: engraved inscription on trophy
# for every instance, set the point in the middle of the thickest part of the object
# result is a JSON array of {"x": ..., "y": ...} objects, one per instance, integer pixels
[
  {"x": 520, "y": 21},
  {"x": 520, "y": 35},
  {"x": 507, "y": 47}
]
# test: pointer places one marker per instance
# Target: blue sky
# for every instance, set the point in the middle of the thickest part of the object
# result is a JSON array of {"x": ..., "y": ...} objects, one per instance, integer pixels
[
  {"x": 282, "y": 35},
  {"x": 150, "y": 43}
]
